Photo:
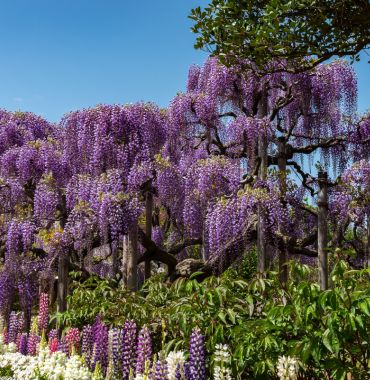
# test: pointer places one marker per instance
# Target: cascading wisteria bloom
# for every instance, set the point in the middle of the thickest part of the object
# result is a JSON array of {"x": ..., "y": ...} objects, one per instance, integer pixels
[
  {"x": 144, "y": 350},
  {"x": 197, "y": 365}
]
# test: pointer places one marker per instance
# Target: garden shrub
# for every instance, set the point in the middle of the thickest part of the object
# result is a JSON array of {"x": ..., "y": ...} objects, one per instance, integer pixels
[{"x": 326, "y": 331}]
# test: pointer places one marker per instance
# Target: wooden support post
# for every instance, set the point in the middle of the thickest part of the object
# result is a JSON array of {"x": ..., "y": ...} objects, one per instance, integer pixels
[
  {"x": 283, "y": 269},
  {"x": 62, "y": 290},
  {"x": 115, "y": 258},
  {"x": 132, "y": 258},
  {"x": 367, "y": 260},
  {"x": 322, "y": 230},
  {"x": 262, "y": 174},
  {"x": 148, "y": 229},
  {"x": 125, "y": 255}
]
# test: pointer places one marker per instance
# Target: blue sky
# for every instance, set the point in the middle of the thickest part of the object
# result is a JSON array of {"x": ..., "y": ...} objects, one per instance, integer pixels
[{"x": 59, "y": 56}]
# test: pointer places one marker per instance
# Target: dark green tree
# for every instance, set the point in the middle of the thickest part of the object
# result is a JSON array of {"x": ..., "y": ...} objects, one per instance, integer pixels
[{"x": 298, "y": 33}]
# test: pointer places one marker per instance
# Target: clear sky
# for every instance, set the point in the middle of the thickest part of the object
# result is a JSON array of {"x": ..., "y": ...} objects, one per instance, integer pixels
[{"x": 62, "y": 55}]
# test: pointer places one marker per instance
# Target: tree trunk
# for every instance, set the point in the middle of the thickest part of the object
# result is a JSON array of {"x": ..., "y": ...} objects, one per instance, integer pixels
[
  {"x": 132, "y": 258},
  {"x": 283, "y": 269},
  {"x": 367, "y": 260},
  {"x": 262, "y": 174},
  {"x": 125, "y": 255},
  {"x": 322, "y": 230},
  {"x": 148, "y": 228},
  {"x": 115, "y": 258},
  {"x": 204, "y": 252},
  {"x": 63, "y": 266}
]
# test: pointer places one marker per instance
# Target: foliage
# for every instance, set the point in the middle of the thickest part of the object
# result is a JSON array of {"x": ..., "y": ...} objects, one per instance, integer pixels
[
  {"x": 327, "y": 331},
  {"x": 287, "y": 30}
]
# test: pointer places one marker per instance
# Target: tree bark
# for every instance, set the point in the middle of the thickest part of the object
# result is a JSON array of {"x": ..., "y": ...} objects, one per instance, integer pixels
[
  {"x": 262, "y": 174},
  {"x": 283, "y": 269},
  {"x": 132, "y": 258},
  {"x": 63, "y": 267},
  {"x": 148, "y": 229},
  {"x": 322, "y": 230},
  {"x": 125, "y": 255},
  {"x": 367, "y": 261},
  {"x": 115, "y": 258}
]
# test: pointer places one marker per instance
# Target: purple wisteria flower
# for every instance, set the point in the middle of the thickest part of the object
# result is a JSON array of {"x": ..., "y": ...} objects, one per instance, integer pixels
[{"x": 197, "y": 356}]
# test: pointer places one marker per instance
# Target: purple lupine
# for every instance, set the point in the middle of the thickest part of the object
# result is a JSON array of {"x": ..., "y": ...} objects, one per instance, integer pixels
[
  {"x": 23, "y": 344},
  {"x": 187, "y": 370},
  {"x": 63, "y": 345},
  {"x": 101, "y": 343},
  {"x": 128, "y": 348},
  {"x": 144, "y": 349},
  {"x": 13, "y": 327},
  {"x": 160, "y": 370},
  {"x": 197, "y": 367},
  {"x": 115, "y": 349},
  {"x": 178, "y": 374},
  {"x": 21, "y": 322},
  {"x": 87, "y": 343},
  {"x": 53, "y": 334},
  {"x": 32, "y": 343},
  {"x": 43, "y": 317}
]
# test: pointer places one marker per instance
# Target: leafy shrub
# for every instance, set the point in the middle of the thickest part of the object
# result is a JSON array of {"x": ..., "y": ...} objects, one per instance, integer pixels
[{"x": 327, "y": 331}]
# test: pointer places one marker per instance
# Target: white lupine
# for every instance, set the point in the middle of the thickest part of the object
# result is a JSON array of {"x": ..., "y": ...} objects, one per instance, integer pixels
[
  {"x": 54, "y": 366},
  {"x": 222, "y": 353},
  {"x": 140, "y": 376},
  {"x": 221, "y": 373},
  {"x": 75, "y": 369},
  {"x": 222, "y": 359},
  {"x": 175, "y": 359},
  {"x": 23, "y": 367},
  {"x": 287, "y": 368}
]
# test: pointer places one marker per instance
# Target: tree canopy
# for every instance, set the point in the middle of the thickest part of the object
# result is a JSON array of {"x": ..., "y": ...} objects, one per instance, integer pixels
[
  {"x": 113, "y": 186},
  {"x": 297, "y": 33}
]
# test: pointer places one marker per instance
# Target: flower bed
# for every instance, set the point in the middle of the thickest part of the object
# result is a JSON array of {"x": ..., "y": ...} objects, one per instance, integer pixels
[{"x": 101, "y": 353}]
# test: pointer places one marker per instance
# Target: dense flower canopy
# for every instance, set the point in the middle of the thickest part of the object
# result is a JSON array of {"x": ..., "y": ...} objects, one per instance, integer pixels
[{"x": 67, "y": 189}]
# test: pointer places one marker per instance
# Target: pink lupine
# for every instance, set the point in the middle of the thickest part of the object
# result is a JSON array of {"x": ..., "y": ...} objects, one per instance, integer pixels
[{"x": 43, "y": 318}]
